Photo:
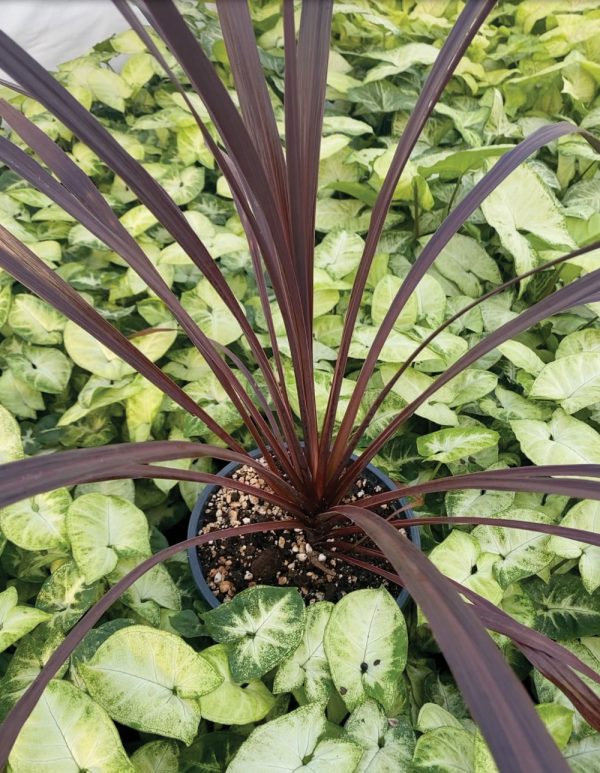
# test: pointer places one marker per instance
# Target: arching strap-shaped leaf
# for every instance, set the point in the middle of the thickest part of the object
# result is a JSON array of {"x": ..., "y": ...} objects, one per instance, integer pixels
[
  {"x": 507, "y": 164},
  {"x": 576, "y": 480},
  {"x": 27, "y": 477},
  {"x": 366, "y": 644},
  {"x": 110, "y": 230},
  {"x": 31, "y": 271},
  {"x": 262, "y": 624},
  {"x": 305, "y": 81},
  {"x": 10, "y": 728},
  {"x": 150, "y": 680},
  {"x": 579, "y": 292},
  {"x": 463, "y": 32},
  {"x": 555, "y": 662},
  {"x": 251, "y": 88},
  {"x": 509, "y": 723},
  {"x": 73, "y": 731}
]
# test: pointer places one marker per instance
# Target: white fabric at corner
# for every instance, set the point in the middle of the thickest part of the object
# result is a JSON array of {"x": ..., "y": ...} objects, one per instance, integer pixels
[{"x": 54, "y": 31}]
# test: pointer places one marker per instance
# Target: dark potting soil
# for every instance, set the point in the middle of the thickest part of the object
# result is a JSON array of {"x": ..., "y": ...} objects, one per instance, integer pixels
[{"x": 284, "y": 557}]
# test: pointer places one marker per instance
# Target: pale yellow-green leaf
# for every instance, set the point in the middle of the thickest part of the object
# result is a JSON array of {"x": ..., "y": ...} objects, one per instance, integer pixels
[
  {"x": 68, "y": 732},
  {"x": 231, "y": 703},
  {"x": 150, "y": 680},
  {"x": 103, "y": 528},
  {"x": 11, "y": 445},
  {"x": 572, "y": 380},
  {"x": 563, "y": 440},
  {"x": 16, "y": 620},
  {"x": 39, "y": 522}
]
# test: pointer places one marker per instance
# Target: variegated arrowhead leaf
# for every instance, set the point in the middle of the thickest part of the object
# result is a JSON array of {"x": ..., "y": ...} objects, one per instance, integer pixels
[
  {"x": 231, "y": 703},
  {"x": 16, "y": 620},
  {"x": 11, "y": 445},
  {"x": 586, "y": 516},
  {"x": 573, "y": 380},
  {"x": 295, "y": 742},
  {"x": 68, "y": 732},
  {"x": 366, "y": 644},
  {"x": 38, "y": 523},
  {"x": 445, "y": 748},
  {"x": 453, "y": 443},
  {"x": 156, "y": 757},
  {"x": 150, "y": 680},
  {"x": 522, "y": 357},
  {"x": 523, "y": 553},
  {"x": 102, "y": 529},
  {"x": 563, "y": 607},
  {"x": 262, "y": 624},
  {"x": 32, "y": 653},
  {"x": 387, "y": 747},
  {"x": 564, "y": 440},
  {"x": 67, "y": 596},
  {"x": 307, "y": 666},
  {"x": 583, "y": 754},
  {"x": 457, "y": 556},
  {"x": 432, "y": 716},
  {"x": 153, "y": 592}
]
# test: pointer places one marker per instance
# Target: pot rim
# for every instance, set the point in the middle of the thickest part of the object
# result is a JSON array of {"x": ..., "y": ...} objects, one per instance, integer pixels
[{"x": 196, "y": 519}]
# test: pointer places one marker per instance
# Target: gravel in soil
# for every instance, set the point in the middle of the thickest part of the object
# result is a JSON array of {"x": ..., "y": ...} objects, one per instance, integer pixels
[{"x": 284, "y": 557}]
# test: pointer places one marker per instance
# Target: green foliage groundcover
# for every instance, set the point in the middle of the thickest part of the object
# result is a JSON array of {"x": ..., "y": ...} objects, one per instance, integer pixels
[{"x": 535, "y": 399}]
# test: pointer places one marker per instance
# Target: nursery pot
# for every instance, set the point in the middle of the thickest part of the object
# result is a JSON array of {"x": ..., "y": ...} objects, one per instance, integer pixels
[{"x": 197, "y": 519}]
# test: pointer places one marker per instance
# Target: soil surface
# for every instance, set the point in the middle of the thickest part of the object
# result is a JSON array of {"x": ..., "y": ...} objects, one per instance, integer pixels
[{"x": 282, "y": 557}]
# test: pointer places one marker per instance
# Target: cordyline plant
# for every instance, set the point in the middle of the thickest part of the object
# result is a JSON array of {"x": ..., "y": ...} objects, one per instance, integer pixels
[{"x": 310, "y": 468}]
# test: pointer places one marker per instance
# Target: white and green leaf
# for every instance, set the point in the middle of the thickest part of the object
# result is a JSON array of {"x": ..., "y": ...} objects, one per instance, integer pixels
[
  {"x": 263, "y": 625},
  {"x": 366, "y": 645}
]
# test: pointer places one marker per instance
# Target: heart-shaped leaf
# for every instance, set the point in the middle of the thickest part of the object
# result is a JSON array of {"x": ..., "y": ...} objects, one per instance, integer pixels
[
  {"x": 366, "y": 644},
  {"x": 150, "y": 680},
  {"x": 295, "y": 742},
  {"x": 101, "y": 530},
  {"x": 263, "y": 624},
  {"x": 16, "y": 620},
  {"x": 38, "y": 523},
  {"x": 68, "y": 731},
  {"x": 386, "y": 746},
  {"x": 156, "y": 757},
  {"x": 307, "y": 666},
  {"x": 231, "y": 703}
]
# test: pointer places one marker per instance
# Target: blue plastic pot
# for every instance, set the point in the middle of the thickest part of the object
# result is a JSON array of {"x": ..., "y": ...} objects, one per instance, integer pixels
[{"x": 197, "y": 519}]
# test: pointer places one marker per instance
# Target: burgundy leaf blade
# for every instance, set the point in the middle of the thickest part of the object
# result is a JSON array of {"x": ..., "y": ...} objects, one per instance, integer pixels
[{"x": 515, "y": 734}]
